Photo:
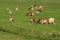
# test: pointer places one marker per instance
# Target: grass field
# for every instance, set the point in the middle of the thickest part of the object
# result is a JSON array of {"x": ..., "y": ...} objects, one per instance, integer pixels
[{"x": 21, "y": 29}]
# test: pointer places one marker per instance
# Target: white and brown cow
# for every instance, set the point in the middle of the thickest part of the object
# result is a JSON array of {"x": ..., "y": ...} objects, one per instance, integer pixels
[
  {"x": 38, "y": 8},
  {"x": 42, "y": 21},
  {"x": 11, "y": 19},
  {"x": 30, "y": 13},
  {"x": 31, "y": 7},
  {"x": 51, "y": 21}
]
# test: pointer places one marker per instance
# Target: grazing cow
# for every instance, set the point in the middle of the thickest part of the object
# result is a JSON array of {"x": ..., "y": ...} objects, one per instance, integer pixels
[
  {"x": 11, "y": 19},
  {"x": 38, "y": 8},
  {"x": 31, "y": 7},
  {"x": 32, "y": 20},
  {"x": 10, "y": 11},
  {"x": 30, "y": 13},
  {"x": 51, "y": 21},
  {"x": 42, "y": 21},
  {"x": 17, "y": 8}
]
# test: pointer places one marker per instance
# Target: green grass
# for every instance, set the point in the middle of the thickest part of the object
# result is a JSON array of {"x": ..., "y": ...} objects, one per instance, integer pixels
[
  {"x": 9, "y": 36},
  {"x": 21, "y": 28}
]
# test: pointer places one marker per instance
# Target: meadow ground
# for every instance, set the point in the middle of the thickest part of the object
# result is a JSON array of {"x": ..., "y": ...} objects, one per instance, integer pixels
[{"x": 21, "y": 29}]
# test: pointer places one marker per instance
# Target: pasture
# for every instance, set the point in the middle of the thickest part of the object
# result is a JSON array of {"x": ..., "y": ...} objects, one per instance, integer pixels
[{"x": 21, "y": 28}]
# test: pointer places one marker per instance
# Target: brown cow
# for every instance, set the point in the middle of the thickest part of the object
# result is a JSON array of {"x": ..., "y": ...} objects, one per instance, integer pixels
[
  {"x": 30, "y": 13},
  {"x": 11, "y": 19},
  {"x": 32, "y": 20},
  {"x": 41, "y": 20}
]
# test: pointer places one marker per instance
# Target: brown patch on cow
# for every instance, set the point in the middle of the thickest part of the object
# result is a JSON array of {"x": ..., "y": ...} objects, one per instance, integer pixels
[{"x": 29, "y": 13}]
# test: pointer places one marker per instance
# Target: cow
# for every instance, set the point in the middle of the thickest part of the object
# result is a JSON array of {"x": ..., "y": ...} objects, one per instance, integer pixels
[
  {"x": 51, "y": 21},
  {"x": 17, "y": 8},
  {"x": 32, "y": 20},
  {"x": 30, "y": 13},
  {"x": 11, "y": 19},
  {"x": 39, "y": 8},
  {"x": 31, "y": 7},
  {"x": 10, "y": 11},
  {"x": 42, "y": 21}
]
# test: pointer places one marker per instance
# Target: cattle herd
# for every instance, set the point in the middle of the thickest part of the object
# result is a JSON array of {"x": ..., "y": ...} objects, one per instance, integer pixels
[
  {"x": 30, "y": 13},
  {"x": 38, "y": 9}
]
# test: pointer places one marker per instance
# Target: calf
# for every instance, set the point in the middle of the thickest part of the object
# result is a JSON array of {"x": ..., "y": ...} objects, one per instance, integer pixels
[{"x": 32, "y": 20}]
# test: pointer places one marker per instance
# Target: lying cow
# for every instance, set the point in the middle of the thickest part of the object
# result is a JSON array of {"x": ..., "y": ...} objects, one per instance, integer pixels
[
  {"x": 42, "y": 21},
  {"x": 51, "y": 21},
  {"x": 32, "y": 20},
  {"x": 30, "y": 13}
]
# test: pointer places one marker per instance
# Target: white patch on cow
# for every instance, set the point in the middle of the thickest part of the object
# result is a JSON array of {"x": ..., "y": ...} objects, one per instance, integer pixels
[{"x": 51, "y": 20}]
